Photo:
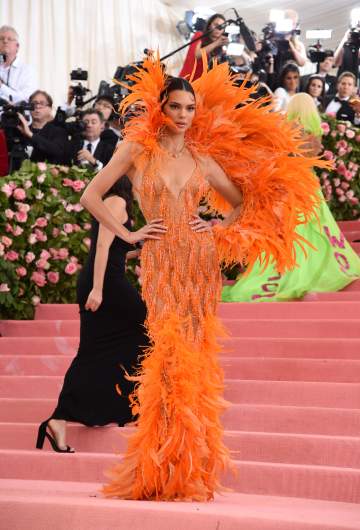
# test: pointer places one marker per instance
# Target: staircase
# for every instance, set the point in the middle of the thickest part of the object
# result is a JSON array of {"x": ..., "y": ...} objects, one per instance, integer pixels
[{"x": 292, "y": 374}]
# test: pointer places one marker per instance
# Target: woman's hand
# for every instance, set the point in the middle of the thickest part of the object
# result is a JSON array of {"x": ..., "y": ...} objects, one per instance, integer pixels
[
  {"x": 149, "y": 231},
  {"x": 199, "y": 225},
  {"x": 94, "y": 300}
]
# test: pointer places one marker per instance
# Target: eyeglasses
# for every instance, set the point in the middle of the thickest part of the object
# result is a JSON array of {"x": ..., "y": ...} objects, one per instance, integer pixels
[{"x": 39, "y": 104}]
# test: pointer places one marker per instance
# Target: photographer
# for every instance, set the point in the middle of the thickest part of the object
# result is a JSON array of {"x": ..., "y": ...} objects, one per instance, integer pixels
[
  {"x": 17, "y": 80},
  {"x": 212, "y": 44},
  {"x": 347, "y": 54},
  {"x": 91, "y": 150},
  {"x": 47, "y": 141},
  {"x": 110, "y": 134}
]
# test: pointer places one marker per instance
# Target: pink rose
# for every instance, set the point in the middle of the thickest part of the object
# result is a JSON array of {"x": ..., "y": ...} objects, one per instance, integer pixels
[
  {"x": 350, "y": 194},
  {"x": 87, "y": 226},
  {"x": 32, "y": 239},
  {"x": 345, "y": 185},
  {"x": 350, "y": 133},
  {"x": 354, "y": 200},
  {"x": 336, "y": 182},
  {"x": 9, "y": 213},
  {"x": 11, "y": 255},
  {"x": 40, "y": 235},
  {"x": 55, "y": 232},
  {"x": 21, "y": 271},
  {"x": 68, "y": 228},
  {"x": 71, "y": 268},
  {"x": 42, "y": 166},
  {"x": 38, "y": 278},
  {"x": 63, "y": 253},
  {"x": 8, "y": 228},
  {"x": 21, "y": 217},
  {"x": 342, "y": 151},
  {"x": 78, "y": 208},
  {"x": 54, "y": 191},
  {"x": 333, "y": 134},
  {"x": 45, "y": 254},
  {"x": 29, "y": 257},
  {"x": 348, "y": 175},
  {"x": 78, "y": 185},
  {"x": 74, "y": 259},
  {"x": 67, "y": 183},
  {"x": 54, "y": 171},
  {"x": 17, "y": 231},
  {"x": 6, "y": 241},
  {"x": 28, "y": 184},
  {"x": 339, "y": 191},
  {"x": 326, "y": 128},
  {"x": 341, "y": 143},
  {"x": 42, "y": 264},
  {"x": 41, "y": 178},
  {"x": 357, "y": 138},
  {"x": 76, "y": 227},
  {"x": 341, "y": 127},
  {"x": 7, "y": 189},
  {"x": 36, "y": 300},
  {"x": 41, "y": 222},
  {"x": 39, "y": 195},
  {"x": 87, "y": 241},
  {"x": 53, "y": 277},
  {"x": 53, "y": 252},
  {"x": 328, "y": 155},
  {"x": 342, "y": 198},
  {"x": 2, "y": 248},
  {"x": 23, "y": 207},
  {"x": 19, "y": 194},
  {"x": 4, "y": 288}
]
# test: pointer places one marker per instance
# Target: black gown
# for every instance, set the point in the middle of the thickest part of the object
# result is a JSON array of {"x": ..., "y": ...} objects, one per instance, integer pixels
[{"x": 95, "y": 389}]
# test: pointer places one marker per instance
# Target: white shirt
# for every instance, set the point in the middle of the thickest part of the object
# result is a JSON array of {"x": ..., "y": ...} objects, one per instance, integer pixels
[
  {"x": 334, "y": 106},
  {"x": 18, "y": 81},
  {"x": 94, "y": 144},
  {"x": 282, "y": 99}
]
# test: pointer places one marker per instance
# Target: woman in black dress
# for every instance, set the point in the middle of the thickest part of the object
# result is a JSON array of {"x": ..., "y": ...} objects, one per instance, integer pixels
[{"x": 95, "y": 390}]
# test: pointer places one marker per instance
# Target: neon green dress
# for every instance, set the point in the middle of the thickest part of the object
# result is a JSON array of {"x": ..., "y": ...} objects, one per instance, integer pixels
[{"x": 329, "y": 268}]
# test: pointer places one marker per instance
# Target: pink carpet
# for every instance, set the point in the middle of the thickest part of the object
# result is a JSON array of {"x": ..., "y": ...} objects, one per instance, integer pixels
[{"x": 293, "y": 376}]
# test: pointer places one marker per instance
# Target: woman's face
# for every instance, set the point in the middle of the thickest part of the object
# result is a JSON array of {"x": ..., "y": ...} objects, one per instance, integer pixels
[
  {"x": 216, "y": 33},
  {"x": 180, "y": 107},
  {"x": 104, "y": 107},
  {"x": 315, "y": 88},
  {"x": 291, "y": 81}
]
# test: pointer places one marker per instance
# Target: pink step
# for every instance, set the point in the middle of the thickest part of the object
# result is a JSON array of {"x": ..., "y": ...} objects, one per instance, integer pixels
[
  {"x": 340, "y": 451},
  {"x": 247, "y": 417},
  {"x": 352, "y": 235},
  {"x": 356, "y": 247},
  {"x": 321, "y": 394},
  {"x": 349, "y": 225},
  {"x": 343, "y": 310},
  {"x": 331, "y": 370},
  {"x": 238, "y": 327},
  {"x": 39, "y": 345},
  {"x": 31, "y": 504},
  {"x": 353, "y": 286},
  {"x": 335, "y": 298},
  {"x": 266, "y": 478}
]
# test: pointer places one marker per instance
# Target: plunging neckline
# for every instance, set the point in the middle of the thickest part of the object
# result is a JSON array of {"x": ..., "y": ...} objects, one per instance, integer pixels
[{"x": 182, "y": 189}]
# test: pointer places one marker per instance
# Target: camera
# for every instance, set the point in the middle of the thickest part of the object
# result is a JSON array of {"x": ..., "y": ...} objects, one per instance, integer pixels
[
  {"x": 10, "y": 118},
  {"x": 74, "y": 125},
  {"x": 79, "y": 90}
]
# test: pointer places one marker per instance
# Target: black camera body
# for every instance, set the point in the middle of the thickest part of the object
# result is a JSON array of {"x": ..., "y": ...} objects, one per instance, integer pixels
[
  {"x": 79, "y": 90},
  {"x": 10, "y": 118}
]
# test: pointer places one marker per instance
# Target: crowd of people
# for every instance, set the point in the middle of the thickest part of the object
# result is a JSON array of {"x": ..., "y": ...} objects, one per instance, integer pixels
[{"x": 275, "y": 65}]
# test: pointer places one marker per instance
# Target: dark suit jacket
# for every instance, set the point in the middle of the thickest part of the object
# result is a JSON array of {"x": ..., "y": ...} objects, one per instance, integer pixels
[
  {"x": 50, "y": 144},
  {"x": 346, "y": 112},
  {"x": 109, "y": 136},
  {"x": 103, "y": 151}
]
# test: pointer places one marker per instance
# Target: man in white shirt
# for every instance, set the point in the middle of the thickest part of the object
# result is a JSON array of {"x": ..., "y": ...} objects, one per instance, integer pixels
[{"x": 17, "y": 80}]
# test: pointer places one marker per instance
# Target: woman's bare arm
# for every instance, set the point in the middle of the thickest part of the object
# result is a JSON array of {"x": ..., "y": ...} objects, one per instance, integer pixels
[
  {"x": 117, "y": 207},
  {"x": 218, "y": 179},
  {"x": 120, "y": 164}
]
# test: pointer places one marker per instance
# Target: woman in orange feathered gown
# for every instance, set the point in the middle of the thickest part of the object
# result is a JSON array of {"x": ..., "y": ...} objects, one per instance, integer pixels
[{"x": 195, "y": 141}]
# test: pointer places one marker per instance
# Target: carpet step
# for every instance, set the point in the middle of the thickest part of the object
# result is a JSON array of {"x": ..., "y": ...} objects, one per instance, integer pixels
[
  {"x": 238, "y": 327},
  {"x": 349, "y": 225},
  {"x": 330, "y": 370},
  {"x": 300, "y": 347},
  {"x": 258, "y": 418},
  {"x": 340, "y": 296},
  {"x": 336, "y": 451},
  {"x": 71, "y": 505},
  {"x": 307, "y": 310},
  {"x": 266, "y": 478},
  {"x": 320, "y": 394}
]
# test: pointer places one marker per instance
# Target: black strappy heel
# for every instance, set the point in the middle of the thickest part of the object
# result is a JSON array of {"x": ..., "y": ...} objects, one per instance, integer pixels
[{"x": 43, "y": 433}]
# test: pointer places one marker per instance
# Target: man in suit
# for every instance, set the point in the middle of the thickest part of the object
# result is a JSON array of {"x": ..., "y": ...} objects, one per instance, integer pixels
[
  {"x": 340, "y": 106},
  {"x": 325, "y": 68},
  {"x": 94, "y": 151}
]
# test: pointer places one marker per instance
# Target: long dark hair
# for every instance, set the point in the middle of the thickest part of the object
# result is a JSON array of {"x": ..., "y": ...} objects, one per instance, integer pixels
[
  {"x": 123, "y": 188},
  {"x": 207, "y": 40},
  {"x": 288, "y": 67},
  {"x": 175, "y": 83},
  {"x": 322, "y": 95}
]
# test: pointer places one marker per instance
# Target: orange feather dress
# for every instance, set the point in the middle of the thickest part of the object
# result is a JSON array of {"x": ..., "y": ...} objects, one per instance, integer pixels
[{"x": 176, "y": 451}]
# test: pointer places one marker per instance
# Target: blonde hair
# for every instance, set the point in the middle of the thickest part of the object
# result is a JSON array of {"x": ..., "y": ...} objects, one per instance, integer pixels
[{"x": 302, "y": 108}]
